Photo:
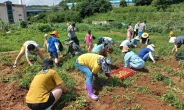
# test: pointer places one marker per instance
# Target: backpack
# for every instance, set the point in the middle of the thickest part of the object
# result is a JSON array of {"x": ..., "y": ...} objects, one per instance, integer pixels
[{"x": 60, "y": 46}]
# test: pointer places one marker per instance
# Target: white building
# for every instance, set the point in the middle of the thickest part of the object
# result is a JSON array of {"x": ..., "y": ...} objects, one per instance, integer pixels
[{"x": 12, "y": 13}]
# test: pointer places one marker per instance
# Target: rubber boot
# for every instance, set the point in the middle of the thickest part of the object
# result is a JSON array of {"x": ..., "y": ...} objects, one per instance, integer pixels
[{"x": 90, "y": 92}]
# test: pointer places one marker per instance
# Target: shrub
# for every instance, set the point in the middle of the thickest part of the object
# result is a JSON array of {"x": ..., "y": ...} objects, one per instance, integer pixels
[{"x": 44, "y": 27}]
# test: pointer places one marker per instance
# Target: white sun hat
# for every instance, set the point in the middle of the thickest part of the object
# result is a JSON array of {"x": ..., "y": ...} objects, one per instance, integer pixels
[{"x": 151, "y": 46}]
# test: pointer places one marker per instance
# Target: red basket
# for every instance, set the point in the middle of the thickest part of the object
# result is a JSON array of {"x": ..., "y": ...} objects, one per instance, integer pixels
[{"x": 126, "y": 72}]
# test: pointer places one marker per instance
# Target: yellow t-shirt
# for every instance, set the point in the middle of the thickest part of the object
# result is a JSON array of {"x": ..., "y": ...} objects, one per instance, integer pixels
[
  {"x": 90, "y": 60},
  {"x": 41, "y": 86}
]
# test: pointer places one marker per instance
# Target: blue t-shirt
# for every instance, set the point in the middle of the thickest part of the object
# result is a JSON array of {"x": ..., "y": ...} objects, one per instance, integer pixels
[
  {"x": 133, "y": 42},
  {"x": 51, "y": 41},
  {"x": 97, "y": 48},
  {"x": 143, "y": 52}
]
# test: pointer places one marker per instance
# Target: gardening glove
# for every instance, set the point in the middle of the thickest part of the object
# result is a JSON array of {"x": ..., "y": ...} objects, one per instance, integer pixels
[{"x": 31, "y": 64}]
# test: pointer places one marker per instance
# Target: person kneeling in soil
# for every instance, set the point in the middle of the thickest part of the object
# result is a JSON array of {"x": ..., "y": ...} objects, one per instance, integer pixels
[
  {"x": 134, "y": 42},
  {"x": 29, "y": 47},
  {"x": 90, "y": 64},
  {"x": 46, "y": 88},
  {"x": 147, "y": 53},
  {"x": 73, "y": 48},
  {"x": 98, "y": 46},
  {"x": 132, "y": 60},
  {"x": 177, "y": 43}
]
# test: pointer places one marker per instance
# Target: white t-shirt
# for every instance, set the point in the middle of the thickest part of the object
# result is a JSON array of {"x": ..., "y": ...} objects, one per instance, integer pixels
[
  {"x": 136, "y": 27},
  {"x": 125, "y": 43},
  {"x": 30, "y": 42}
]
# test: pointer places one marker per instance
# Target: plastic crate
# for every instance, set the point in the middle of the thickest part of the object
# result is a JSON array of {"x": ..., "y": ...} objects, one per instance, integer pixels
[
  {"x": 180, "y": 56},
  {"x": 126, "y": 72}
]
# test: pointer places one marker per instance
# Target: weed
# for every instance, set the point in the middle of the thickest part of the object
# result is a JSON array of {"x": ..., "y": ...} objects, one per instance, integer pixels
[
  {"x": 116, "y": 98},
  {"x": 131, "y": 99},
  {"x": 128, "y": 82},
  {"x": 26, "y": 80},
  {"x": 161, "y": 77},
  {"x": 108, "y": 88},
  {"x": 80, "y": 102},
  {"x": 136, "y": 107},
  {"x": 143, "y": 89},
  {"x": 172, "y": 99}
]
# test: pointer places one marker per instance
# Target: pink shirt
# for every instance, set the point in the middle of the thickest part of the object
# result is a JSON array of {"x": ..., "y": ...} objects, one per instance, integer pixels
[{"x": 88, "y": 38}]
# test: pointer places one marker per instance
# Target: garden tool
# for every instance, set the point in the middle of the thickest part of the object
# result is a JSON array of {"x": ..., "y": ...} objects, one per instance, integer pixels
[{"x": 90, "y": 92}]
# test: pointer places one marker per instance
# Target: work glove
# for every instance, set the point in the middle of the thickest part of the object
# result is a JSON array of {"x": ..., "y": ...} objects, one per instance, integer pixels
[{"x": 31, "y": 64}]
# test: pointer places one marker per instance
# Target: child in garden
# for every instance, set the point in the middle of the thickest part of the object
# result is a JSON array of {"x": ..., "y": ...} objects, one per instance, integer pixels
[
  {"x": 46, "y": 88},
  {"x": 53, "y": 47},
  {"x": 90, "y": 64},
  {"x": 129, "y": 33},
  {"x": 29, "y": 46},
  {"x": 132, "y": 60},
  {"x": 89, "y": 41}
]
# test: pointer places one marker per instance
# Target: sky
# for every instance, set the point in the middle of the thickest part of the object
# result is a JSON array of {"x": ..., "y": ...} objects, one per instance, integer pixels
[{"x": 35, "y": 2}]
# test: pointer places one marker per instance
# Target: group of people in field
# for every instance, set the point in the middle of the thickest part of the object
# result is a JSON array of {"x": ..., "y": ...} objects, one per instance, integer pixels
[{"x": 47, "y": 86}]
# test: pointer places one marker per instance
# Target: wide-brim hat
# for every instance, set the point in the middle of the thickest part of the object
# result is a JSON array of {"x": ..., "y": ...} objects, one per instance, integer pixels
[
  {"x": 151, "y": 46},
  {"x": 145, "y": 35},
  {"x": 125, "y": 49},
  {"x": 47, "y": 62},
  {"x": 55, "y": 33},
  {"x": 137, "y": 38}
]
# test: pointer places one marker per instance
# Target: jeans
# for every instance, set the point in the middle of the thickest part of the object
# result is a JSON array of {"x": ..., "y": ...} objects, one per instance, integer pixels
[
  {"x": 145, "y": 56},
  {"x": 86, "y": 71}
]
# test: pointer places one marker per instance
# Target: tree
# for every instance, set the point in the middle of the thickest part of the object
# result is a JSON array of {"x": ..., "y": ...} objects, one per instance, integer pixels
[
  {"x": 160, "y": 4},
  {"x": 123, "y": 3},
  {"x": 142, "y": 2}
]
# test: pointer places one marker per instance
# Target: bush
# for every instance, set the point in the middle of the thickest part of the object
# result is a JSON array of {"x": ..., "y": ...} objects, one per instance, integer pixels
[
  {"x": 23, "y": 24},
  {"x": 44, "y": 27}
]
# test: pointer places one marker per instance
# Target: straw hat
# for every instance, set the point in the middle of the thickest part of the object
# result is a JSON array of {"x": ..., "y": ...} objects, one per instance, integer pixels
[
  {"x": 151, "y": 46},
  {"x": 55, "y": 33},
  {"x": 125, "y": 48},
  {"x": 137, "y": 38},
  {"x": 145, "y": 35}
]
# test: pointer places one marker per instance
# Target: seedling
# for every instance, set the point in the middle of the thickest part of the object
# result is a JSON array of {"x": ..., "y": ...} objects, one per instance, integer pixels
[{"x": 143, "y": 89}]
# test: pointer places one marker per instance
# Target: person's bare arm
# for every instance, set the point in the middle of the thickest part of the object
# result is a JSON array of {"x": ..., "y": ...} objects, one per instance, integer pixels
[{"x": 63, "y": 87}]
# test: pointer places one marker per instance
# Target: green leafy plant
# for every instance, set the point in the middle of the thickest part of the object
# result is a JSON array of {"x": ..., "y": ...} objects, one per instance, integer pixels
[
  {"x": 143, "y": 89},
  {"x": 172, "y": 99},
  {"x": 136, "y": 107}
]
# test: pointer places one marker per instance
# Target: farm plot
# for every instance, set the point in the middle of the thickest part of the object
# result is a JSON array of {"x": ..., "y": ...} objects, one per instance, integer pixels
[{"x": 158, "y": 87}]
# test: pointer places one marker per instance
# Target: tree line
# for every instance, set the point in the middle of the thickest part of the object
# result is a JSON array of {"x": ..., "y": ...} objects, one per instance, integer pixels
[{"x": 86, "y": 8}]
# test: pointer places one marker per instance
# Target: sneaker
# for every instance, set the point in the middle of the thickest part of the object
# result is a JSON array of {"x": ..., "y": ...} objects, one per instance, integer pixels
[{"x": 15, "y": 65}]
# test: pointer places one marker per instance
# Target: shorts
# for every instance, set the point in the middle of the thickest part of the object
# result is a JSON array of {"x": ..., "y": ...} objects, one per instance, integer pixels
[
  {"x": 140, "y": 34},
  {"x": 42, "y": 106},
  {"x": 89, "y": 43},
  {"x": 54, "y": 54}
]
